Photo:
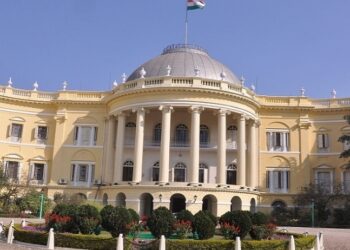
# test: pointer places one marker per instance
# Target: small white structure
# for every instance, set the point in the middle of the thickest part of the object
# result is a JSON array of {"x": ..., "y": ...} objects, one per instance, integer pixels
[
  {"x": 320, "y": 236},
  {"x": 23, "y": 223},
  {"x": 291, "y": 243},
  {"x": 51, "y": 240},
  {"x": 10, "y": 236},
  {"x": 238, "y": 244},
  {"x": 120, "y": 243},
  {"x": 162, "y": 243}
]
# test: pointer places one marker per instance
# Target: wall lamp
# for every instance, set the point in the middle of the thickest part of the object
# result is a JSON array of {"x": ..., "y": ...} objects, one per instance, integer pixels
[
  {"x": 194, "y": 198},
  {"x": 160, "y": 197}
]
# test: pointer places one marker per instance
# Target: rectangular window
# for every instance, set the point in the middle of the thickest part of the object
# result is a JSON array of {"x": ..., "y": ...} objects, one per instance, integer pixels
[
  {"x": 12, "y": 170},
  {"x": 41, "y": 133},
  {"x": 277, "y": 141},
  {"x": 155, "y": 174},
  {"x": 277, "y": 180},
  {"x": 324, "y": 180},
  {"x": 38, "y": 171},
  {"x": 322, "y": 142},
  {"x": 85, "y": 135},
  {"x": 16, "y": 131},
  {"x": 83, "y": 173}
]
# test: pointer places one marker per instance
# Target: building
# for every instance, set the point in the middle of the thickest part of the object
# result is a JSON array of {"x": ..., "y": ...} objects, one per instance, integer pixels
[{"x": 182, "y": 131}]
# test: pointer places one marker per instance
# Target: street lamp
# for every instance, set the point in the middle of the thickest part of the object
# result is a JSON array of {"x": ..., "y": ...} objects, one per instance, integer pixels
[{"x": 312, "y": 212}]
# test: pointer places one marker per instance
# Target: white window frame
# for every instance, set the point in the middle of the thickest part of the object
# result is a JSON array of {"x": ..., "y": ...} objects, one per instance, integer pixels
[
  {"x": 19, "y": 170},
  {"x": 34, "y": 181},
  {"x": 16, "y": 138},
  {"x": 345, "y": 182},
  {"x": 271, "y": 139},
  {"x": 75, "y": 173},
  {"x": 38, "y": 139},
  {"x": 322, "y": 142},
  {"x": 324, "y": 169},
  {"x": 177, "y": 167},
  {"x": 271, "y": 173},
  {"x": 205, "y": 169},
  {"x": 77, "y": 136}
]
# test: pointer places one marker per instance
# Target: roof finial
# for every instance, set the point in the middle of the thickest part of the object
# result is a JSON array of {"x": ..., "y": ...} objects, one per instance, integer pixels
[
  {"x": 168, "y": 70},
  {"x": 35, "y": 86},
  {"x": 65, "y": 84},
  {"x": 252, "y": 87},
  {"x": 196, "y": 71},
  {"x": 143, "y": 72},
  {"x": 242, "y": 80},
  {"x": 223, "y": 75},
  {"x": 302, "y": 92},
  {"x": 124, "y": 76},
  {"x": 115, "y": 84},
  {"x": 9, "y": 82},
  {"x": 334, "y": 93}
]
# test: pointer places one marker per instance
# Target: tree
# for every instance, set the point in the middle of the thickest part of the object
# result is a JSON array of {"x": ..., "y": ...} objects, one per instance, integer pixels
[
  {"x": 30, "y": 201},
  {"x": 323, "y": 200},
  {"x": 8, "y": 192},
  {"x": 345, "y": 139}
]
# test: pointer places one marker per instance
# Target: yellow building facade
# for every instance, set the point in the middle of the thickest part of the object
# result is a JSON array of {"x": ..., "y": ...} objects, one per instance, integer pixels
[{"x": 182, "y": 131}]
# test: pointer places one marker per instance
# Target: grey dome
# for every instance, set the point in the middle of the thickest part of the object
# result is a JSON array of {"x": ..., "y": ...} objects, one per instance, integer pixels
[{"x": 183, "y": 60}]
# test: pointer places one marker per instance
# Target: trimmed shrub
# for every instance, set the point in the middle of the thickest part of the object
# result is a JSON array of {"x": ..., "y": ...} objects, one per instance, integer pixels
[
  {"x": 88, "y": 219},
  {"x": 259, "y": 218},
  {"x": 240, "y": 219},
  {"x": 213, "y": 218},
  {"x": 134, "y": 216},
  {"x": 115, "y": 220},
  {"x": 185, "y": 215},
  {"x": 161, "y": 222},
  {"x": 262, "y": 232},
  {"x": 63, "y": 219},
  {"x": 203, "y": 225}
]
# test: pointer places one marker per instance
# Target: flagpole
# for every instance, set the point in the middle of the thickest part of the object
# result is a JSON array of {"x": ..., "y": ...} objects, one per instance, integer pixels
[{"x": 186, "y": 24}]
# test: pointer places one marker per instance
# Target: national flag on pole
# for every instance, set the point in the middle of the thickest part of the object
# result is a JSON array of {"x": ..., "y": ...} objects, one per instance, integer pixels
[{"x": 195, "y": 4}]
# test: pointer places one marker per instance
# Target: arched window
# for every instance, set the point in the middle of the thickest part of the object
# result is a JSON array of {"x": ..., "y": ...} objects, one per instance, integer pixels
[
  {"x": 231, "y": 137},
  {"x": 181, "y": 135},
  {"x": 231, "y": 176},
  {"x": 204, "y": 136},
  {"x": 128, "y": 168},
  {"x": 157, "y": 134},
  {"x": 130, "y": 128},
  {"x": 105, "y": 199},
  {"x": 180, "y": 172},
  {"x": 155, "y": 171},
  {"x": 278, "y": 204},
  {"x": 203, "y": 173}
]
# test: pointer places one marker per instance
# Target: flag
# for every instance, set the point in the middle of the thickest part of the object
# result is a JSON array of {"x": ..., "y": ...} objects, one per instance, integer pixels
[{"x": 195, "y": 4}]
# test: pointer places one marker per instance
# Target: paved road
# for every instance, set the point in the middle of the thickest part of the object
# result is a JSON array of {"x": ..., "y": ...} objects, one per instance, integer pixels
[{"x": 334, "y": 239}]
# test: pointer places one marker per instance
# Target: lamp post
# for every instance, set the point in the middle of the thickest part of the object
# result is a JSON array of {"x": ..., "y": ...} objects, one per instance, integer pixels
[
  {"x": 41, "y": 205},
  {"x": 312, "y": 212}
]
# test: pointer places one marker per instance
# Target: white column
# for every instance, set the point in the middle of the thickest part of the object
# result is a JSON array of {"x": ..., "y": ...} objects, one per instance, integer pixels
[
  {"x": 241, "y": 170},
  {"x": 119, "y": 149},
  {"x": 139, "y": 139},
  {"x": 221, "y": 157},
  {"x": 253, "y": 177},
  {"x": 194, "y": 151},
  {"x": 108, "y": 160},
  {"x": 165, "y": 145}
]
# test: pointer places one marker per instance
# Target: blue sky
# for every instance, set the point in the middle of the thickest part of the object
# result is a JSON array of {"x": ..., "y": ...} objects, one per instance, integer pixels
[{"x": 280, "y": 46}]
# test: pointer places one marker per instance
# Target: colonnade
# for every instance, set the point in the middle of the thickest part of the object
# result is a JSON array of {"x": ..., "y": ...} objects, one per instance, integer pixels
[{"x": 244, "y": 151}]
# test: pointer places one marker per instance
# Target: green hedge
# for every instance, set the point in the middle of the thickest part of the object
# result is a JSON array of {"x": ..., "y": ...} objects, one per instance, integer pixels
[{"x": 99, "y": 243}]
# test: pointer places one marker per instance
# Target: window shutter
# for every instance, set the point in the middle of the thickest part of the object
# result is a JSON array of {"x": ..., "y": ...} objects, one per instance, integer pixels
[
  {"x": 31, "y": 171},
  {"x": 268, "y": 179},
  {"x": 45, "y": 174},
  {"x": 36, "y": 131},
  {"x": 95, "y": 135},
  {"x": 274, "y": 140},
  {"x": 288, "y": 179},
  {"x": 92, "y": 173},
  {"x": 326, "y": 141},
  {"x": 6, "y": 168},
  {"x": 287, "y": 141},
  {"x": 76, "y": 131},
  {"x": 320, "y": 140},
  {"x": 73, "y": 172},
  {"x": 20, "y": 131},
  {"x": 268, "y": 140}
]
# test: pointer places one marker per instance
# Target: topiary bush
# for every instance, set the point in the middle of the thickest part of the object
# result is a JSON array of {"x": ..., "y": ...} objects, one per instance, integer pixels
[
  {"x": 259, "y": 218},
  {"x": 213, "y": 218},
  {"x": 238, "y": 218},
  {"x": 161, "y": 222},
  {"x": 134, "y": 216},
  {"x": 203, "y": 225},
  {"x": 185, "y": 215},
  {"x": 63, "y": 219},
  {"x": 88, "y": 219},
  {"x": 115, "y": 220}
]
